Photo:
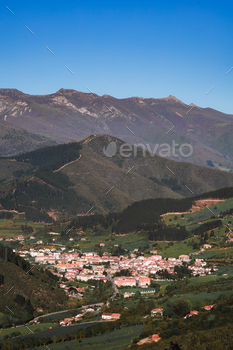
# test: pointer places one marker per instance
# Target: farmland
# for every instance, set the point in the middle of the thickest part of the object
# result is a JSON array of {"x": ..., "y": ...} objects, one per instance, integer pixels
[
  {"x": 24, "y": 330},
  {"x": 112, "y": 341},
  {"x": 12, "y": 227}
]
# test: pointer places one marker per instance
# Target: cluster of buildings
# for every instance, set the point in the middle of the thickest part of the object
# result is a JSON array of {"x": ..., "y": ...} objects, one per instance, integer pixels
[
  {"x": 92, "y": 266},
  {"x": 90, "y": 309},
  {"x": 194, "y": 312},
  {"x": 142, "y": 282}
]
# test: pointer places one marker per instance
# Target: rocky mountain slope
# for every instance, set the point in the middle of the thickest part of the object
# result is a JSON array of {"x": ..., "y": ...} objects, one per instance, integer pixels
[
  {"x": 15, "y": 140},
  {"x": 69, "y": 115}
]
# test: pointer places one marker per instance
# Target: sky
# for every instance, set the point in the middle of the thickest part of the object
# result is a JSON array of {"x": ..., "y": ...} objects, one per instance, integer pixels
[{"x": 120, "y": 48}]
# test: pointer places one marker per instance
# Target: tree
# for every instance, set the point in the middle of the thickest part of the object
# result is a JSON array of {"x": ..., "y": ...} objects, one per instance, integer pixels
[
  {"x": 137, "y": 295},
  {"x": 19, "y": 299},
  {"x": 45, "y": 340},
  {"x": 174, "y": 346},
  {"x": 142, "y": 307},
  {"x": 180, "y": 307},
  {"x": 28, "y": 307},
  {"x": 55, "y": 339},
  {"x": 63, "y": 337},
  {"x": 148, "y": 330},
  {"x": 155, "y": 285},
  {"x": 212, "y": 233},
  {"x": 1, "y": 279}
]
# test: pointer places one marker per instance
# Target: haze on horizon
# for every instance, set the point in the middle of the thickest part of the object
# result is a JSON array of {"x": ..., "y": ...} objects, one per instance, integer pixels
[{"x": 123, "y": 49}]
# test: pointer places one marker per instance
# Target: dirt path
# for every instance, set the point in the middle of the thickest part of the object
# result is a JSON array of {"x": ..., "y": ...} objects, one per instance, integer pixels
[
  {"x": 63, "y": 166},
  {"x": 12, "y": 211}
]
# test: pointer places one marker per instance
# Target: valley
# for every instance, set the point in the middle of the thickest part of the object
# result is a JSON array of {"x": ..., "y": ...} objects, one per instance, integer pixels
[
  {"x": 150, "y": 275},
  {"x": 99, "y": 248},
  {"x": 116, "y": 175}
]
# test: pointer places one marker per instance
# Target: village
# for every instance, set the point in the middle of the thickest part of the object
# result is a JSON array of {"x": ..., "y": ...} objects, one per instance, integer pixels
[
  {"x": 91, "y": 266},
  {"x": 131, "y": 275},
  {"x": 134, "y": 271}
]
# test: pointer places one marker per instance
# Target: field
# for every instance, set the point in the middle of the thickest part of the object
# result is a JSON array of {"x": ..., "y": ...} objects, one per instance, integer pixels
[
  {"x": 130, "y": 241},
  {"x": 12, "y": 227},
  {"x": 201, "y": 215},
  {"x": 204, "y": 298},
  {"x": 24, "y": 330},
  {"x": 207, "y": 278},
  {"x": 62, "y": 330},
  {"x": 176, "y": 249},
  {"x": 110, "y": 341},
  {"x": 223, "y": 252},
  {"x": 135, "y": 240}
]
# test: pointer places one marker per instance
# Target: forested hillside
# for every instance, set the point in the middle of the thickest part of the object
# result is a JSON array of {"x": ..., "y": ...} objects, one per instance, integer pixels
[
  {"x": 70, "y": 179},
  {"x": 25, "y": 288},
  {"x": 40, "y": 188},
  {"x": 51, "y": 158}
]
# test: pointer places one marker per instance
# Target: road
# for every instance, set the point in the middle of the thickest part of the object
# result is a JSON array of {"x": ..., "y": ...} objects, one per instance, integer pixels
[
  {"x": 59, "y": 312},
  {"x": 52, "y": 313},
  {"x": 83, "y": 306}
]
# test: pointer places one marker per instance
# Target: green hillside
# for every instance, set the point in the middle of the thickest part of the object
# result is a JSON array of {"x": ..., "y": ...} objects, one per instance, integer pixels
[
  {"x": 25, "y": 290},
  {"x": 77, "y": 178}
]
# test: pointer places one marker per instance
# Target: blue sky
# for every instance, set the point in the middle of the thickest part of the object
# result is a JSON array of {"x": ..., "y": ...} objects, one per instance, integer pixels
[{"x": 120, "y": 48}]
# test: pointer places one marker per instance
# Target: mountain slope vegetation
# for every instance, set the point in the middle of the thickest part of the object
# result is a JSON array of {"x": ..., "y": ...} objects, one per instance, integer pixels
[
  {"x": 24, "y": 288},
  {"x": 73, "y": 178},
  {"x": 15, "y": 140}
]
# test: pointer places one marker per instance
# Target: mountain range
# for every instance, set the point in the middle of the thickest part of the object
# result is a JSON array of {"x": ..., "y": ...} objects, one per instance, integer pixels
[{"x": 68, "y": 115}]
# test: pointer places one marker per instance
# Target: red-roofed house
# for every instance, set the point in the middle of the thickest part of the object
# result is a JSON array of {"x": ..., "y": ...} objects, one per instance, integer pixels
[
  {"x": 184, "y": 258},
  {"x": 208, "y": 307},
  {"x": 125, "y": 281},
  {"x": 115, "y": 316},
  {"x": 144, "y": 281},
  {"x": 157, "y": 312},
  {"x": 150, "y": 339},
  {"x": 191, "y": 314},
  {"x": 207, "y": 246}
]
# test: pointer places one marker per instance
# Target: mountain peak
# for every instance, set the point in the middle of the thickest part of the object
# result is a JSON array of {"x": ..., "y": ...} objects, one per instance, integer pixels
[
  {"x": 171, "y": 97},
  {"x": 11, "y": 92},
  {"x": 62, "y": 91},
  {"x": 106, "y": 96}
]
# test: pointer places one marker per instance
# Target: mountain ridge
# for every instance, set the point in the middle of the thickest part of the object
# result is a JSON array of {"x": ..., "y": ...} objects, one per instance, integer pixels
[
  {"x": 72, "y": 178},
  {"x": 69, "y": 115}
]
